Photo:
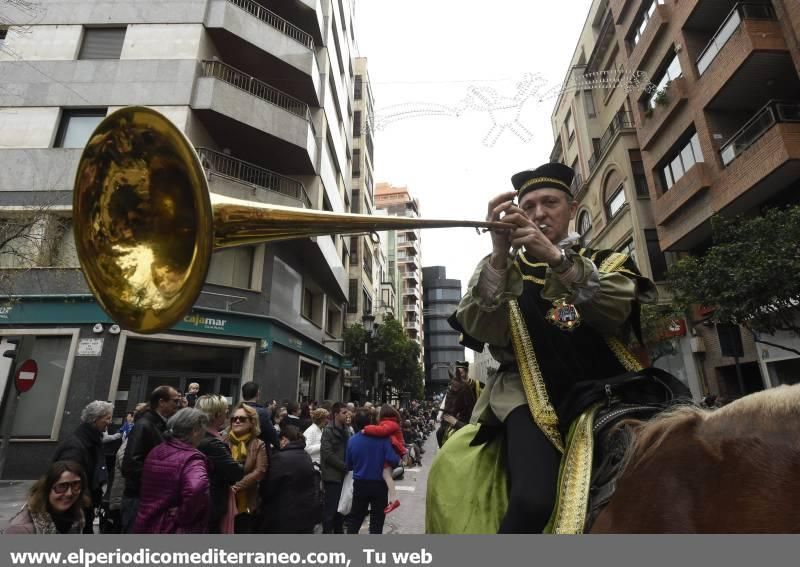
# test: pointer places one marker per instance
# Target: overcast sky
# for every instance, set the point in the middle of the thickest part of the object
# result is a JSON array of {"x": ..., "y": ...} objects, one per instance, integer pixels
[{"x": 437, "y": 67}]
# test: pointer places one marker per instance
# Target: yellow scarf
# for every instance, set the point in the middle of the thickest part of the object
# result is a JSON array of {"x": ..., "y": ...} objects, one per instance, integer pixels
[
  {"x": 239, "y": 453},
  {"x": 239, "y": 446}
]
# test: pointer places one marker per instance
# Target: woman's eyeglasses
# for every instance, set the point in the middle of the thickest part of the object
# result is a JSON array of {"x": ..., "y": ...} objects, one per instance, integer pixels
[
  {"x": 240, "y": 419},
  {"x": 61, "y": 487}
]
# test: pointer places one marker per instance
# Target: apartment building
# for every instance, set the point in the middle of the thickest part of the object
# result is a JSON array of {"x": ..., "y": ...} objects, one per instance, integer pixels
[
  {"x": 441, "y": 297},
  {"x": 264, "y": 90},
  {"x": 364, "y": 281},
  {"x": 397, "y": 201},
  {"x": 709, "y": 124}
]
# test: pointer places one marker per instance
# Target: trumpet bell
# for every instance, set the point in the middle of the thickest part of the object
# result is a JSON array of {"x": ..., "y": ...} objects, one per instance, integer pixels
[{"x": 142, "y": 219}]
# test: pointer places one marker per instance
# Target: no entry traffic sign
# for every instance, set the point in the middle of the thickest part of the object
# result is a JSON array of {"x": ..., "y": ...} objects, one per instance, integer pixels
[{"x": 26, "y": 375}]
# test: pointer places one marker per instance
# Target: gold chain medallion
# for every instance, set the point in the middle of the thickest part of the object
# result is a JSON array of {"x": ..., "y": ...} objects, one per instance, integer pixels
[{"x": 563, "y": 315}]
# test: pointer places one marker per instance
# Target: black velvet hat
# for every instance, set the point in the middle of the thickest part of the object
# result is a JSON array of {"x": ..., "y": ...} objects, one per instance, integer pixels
[
  {"x": 547, "y": 176},
  {"x": 462, "y": 364}
]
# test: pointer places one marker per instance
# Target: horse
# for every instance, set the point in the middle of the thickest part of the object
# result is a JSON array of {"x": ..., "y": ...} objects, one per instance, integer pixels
[{"x": 734, "y": 469}]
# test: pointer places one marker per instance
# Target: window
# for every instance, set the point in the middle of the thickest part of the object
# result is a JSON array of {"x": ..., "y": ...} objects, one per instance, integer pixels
[
  {"x": 356, "y": 163},
  {"x": 616, "y": 202},
  {"x": 333, "y": 322},
  {"x": 77, "y": 125},
  {"x": 3, "y": 33},
  {"x": 588, "y": 103},
  {"x": 102, "y": 43},
  {"x": 629, "y": 249},
  {"x": 356, "y": 124},
  {"x": 639, "y": 177},
  {"x": 357, "y": 86},
  {"x": 232, "y": 267},
  {"x": 353, "y": 250},
  {"x": 681, "y": 161},
  {"x": 640, "y": 24},
  {"x": 345, "y": 254},
  {"x": 368, "y": 263},
  {"x": 307, "y": 382},
  {"x": 672, "y": 70},
  {"x": 352, "y": 296},
  {"x": 570, "y": 126},
  {"x": 584, "y": 223},
  {"x": 658, "y": 263},
  {"x": 367, "y": 302},
  {"x": 313, "y": 301}
]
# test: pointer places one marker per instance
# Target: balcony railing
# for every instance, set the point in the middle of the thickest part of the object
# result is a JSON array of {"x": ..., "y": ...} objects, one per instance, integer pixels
[
  {"x": 251, "y": 174},
  {"x": 772, "y": 113},
  {"x": 742, "y": 11},
  {"x": 274, "y": 20},
  {"x": 622, "y": 119},
  {"x": 256, "y": 87},
  {"x": 577, "y": 183}
]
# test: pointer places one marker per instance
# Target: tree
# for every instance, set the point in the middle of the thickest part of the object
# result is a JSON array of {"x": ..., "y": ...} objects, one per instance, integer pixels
[
  {"x": 390, "y": 345},
  {"x": 657, "y": 321},
  {"x": 749, "y": 275}
]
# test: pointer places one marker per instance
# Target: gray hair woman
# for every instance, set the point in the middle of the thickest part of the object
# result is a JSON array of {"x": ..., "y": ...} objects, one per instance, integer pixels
[
  {"x": 85, "y": 447},
  {"x": 174, "y": 490}
]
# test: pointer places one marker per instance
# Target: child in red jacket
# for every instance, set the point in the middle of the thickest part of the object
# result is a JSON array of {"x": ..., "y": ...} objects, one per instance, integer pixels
[{"x": 389, "y": 426}]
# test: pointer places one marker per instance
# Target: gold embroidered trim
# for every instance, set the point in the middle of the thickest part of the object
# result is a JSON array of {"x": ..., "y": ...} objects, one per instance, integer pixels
[
  {"x": 531, "y": 375},
  {"x": 533, "y": 279},
  {"x": 628, "y": 361},
  {"x": 552, "y": 180},
  {"x": 575, "y": 478},
  {"x": 521, "y": 255},
  {"x": 613, "y": 262}
]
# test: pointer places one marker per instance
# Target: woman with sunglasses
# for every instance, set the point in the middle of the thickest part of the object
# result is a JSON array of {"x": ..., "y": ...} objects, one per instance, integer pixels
[
  {"x": 55, "y": 503},
  {"x": 251, "y": 452}
]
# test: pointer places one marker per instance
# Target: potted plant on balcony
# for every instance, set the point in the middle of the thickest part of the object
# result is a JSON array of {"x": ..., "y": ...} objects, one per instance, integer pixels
[{"x": 662, "y": 96}]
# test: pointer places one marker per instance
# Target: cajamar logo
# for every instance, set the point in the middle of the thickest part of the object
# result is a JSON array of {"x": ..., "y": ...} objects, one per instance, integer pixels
[{"x": 207, "y": 322}]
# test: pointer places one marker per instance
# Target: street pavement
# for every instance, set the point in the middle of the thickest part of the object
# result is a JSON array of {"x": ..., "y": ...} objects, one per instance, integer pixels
[{"x": 409, "y": 518}]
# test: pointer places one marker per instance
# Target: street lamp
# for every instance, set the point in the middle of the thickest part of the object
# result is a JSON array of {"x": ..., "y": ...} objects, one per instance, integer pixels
[{"x": 368, "y": 320}]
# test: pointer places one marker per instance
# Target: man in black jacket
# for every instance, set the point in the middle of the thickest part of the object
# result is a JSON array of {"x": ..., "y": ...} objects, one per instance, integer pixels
[
  {"x": 147, "y": 432},
  {"x": 332, "y": 452},
  {"x": 292, "y": 492},
  {"x": 250, "y": 394},
  {"x": 85, "y": 447}
]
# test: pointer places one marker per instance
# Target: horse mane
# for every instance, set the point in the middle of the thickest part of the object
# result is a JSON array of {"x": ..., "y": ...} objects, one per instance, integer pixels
[{"x": 775, "y": 408}]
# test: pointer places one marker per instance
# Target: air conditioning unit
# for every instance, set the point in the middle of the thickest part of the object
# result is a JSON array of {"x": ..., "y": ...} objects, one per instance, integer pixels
[{"x": 698, "y": 344}]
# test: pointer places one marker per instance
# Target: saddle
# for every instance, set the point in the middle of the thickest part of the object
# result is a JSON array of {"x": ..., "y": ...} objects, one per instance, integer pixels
[{"x": 596, "y": 447}]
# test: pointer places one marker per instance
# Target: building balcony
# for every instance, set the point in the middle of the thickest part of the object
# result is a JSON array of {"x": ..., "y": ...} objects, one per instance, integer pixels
[
  {"x": 749, "y": 49},
  {"x": 411, "y": 277},
  {"x": 653, "y": 120},
  {"x": 249, "y": 115},
  {"x": 268, "y": 186},
  {"x": 643, "y": 49},
  {"x": 412, "y": 326},
  {"x": 773, "y": 113},
  {"x": 264, "y": 43},
  {"x": 622, "y": 121},
  {"x": 695, "y": 181}
]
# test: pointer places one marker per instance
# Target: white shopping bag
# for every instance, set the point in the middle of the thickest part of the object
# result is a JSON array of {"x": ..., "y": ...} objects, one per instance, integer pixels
[{"x": 346, "y": 498}]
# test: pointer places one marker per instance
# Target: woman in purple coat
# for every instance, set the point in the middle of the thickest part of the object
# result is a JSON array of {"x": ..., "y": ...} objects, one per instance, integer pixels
[{"x": 174, "y": 490}]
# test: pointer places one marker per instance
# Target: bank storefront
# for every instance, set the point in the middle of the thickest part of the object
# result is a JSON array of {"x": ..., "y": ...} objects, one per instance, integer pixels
[{"x": 83, "y": 356}]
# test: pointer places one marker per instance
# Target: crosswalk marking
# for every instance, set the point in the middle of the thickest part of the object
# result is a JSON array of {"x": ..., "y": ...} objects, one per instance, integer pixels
[{"x": 406, "y": 488}]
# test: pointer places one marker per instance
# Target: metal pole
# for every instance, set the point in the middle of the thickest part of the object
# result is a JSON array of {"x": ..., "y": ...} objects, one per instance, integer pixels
[
  {"x": 12, "y": 398},
  {"x": 739, "y": 375}
]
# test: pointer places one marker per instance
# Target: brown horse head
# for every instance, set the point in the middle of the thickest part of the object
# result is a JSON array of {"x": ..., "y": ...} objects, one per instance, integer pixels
[{"x": 731, "y": 470}]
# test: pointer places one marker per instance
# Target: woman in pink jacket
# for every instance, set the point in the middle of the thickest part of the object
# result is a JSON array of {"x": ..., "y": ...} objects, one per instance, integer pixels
[{"x": 174, "y": 490}]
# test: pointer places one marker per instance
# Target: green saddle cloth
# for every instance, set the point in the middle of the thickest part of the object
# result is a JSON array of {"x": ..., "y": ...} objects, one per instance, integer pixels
[{"x": 467, "y": 487}]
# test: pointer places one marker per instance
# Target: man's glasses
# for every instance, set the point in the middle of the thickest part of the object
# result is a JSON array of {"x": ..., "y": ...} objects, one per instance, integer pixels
[
  {"x": 61, "y": 487},
  {"x": 240, "y": 419}
]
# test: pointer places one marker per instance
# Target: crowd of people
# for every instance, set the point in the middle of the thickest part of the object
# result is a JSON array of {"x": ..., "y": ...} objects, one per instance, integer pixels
[{"x": 193, "y": 464}]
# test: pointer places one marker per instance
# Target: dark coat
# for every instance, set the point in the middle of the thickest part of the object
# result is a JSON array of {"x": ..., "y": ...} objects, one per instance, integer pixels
[
  {"x": 223, "y": 472},
  {"x": 85, "y": 447},
  {"x": 332, "y": 452},
  {"x": 292, "y": 492},
  {"x": 174, "y": 491},
  {"x": 147, "y": 432}
]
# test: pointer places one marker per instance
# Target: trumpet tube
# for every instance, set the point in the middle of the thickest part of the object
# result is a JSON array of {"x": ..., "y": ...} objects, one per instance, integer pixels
[{"x": 146, "y": 225}]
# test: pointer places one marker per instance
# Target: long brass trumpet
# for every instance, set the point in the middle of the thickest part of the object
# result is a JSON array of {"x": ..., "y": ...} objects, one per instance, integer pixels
[{"x": 145, "y": 223}]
